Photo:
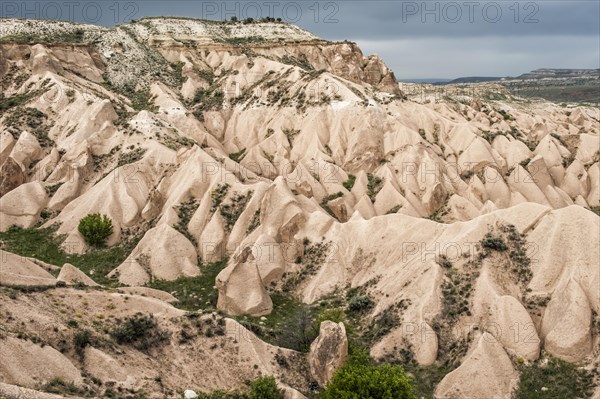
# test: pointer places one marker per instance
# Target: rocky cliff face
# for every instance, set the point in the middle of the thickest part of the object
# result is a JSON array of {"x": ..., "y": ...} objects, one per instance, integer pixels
[{"x": 300, "y": 165}]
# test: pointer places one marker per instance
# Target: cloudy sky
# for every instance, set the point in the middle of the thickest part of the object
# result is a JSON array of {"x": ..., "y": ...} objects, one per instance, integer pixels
[{"x": 417, "y": 39}]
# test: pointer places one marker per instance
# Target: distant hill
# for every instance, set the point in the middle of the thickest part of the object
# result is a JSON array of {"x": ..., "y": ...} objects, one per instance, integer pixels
[
  {"x": 580, "y": 86},
  {"x": 541, "y": 73},
  {"x": 560, "y": 73},
  {"x": 426, "y": 81},
  {"x": 474, "y": 79}
]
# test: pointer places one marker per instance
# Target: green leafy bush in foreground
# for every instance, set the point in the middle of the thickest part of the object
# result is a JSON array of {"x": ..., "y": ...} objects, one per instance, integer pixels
[
  {"x": 361, "y": 379},
  {"x": 265, "y": 388},
  {"x": 95, "y": 229},
  {"x": 261, "y": 388}
]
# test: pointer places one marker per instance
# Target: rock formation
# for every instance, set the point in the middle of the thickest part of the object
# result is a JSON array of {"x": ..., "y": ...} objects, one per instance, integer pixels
[
  {"x": 262, "y": 176},
  {"x": 328, "y": 352}
]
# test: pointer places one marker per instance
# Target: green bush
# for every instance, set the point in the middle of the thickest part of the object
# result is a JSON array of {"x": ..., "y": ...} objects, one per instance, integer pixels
[
  {"x": 360, "y": 379},
  {"x": 360, "y": 303},
  {"x": 493, "y": 242},
  {"x": 59, "y": 386},
  {"x": 218, "y": 394},
  {"x": 265, "y": 388},
  {"x": 81, "y": 339},
  {"x": 95, "y": 229},
  {"x": 261, "y": 388}
]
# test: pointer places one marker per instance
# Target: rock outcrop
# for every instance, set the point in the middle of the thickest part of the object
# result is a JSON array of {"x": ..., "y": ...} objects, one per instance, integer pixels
[
  {"x": 328, "y": 352},
  {"x": 71, "y": 275},
  {"x": 17, "y": 270},
  {"x": 241, "y": 289},
  {"x": 487, "y": 362}
]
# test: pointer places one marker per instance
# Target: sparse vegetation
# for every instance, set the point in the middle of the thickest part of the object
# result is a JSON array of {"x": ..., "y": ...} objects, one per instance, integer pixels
[
  {"x": 141, "y": 99},
  {"x": 95, "y": 229},
  {"x": 290, "y": 325},
  {"x": 15, "y": 101},
  {"x": 185, "y": 211},
  {"x": 554, "y": 379},
  {"x": 493, "y": 242},
  {"x": 232, "y": 211},
  {"x": 313, "y": 257},
  {"x": 374, "y": 185},
  {"x": 210, "y": 99},
  {"x": 175, "y": 142},
  {"x": 240, "y": 41},
  {"x": 52, "y": 189},
  {"x": 331, "y": 197},
  {"x": 567, "y": 161},
  {"x": 348, "y": 184},
  {"x": 261, "y": 388},
  {"x": 42, "y": 245},
  {"x": 382, "y": 325},
  {"x": 75, "y": 36},
  {"x": 254, "y": 222},
  {"x": 177, "y": 68},
  {"x": 490, "y": 136},
  {"x": 81, "y": 339},
  {"x": 525, "y": 162},
  {"x": 370, "y": 311},
  {"x": 301, "y": 62},
  {"x": 394, "y": 209},
  {"x": 131, "y": 157},
  {"x": 32, "y": 120},
  {"x": 218, "y": 194},
  {"x": 140, "y": 330},
  {"x": 61, "y": 387},
  {"x": 194, "y": 293},
  {"x": 457, "y": 290},
  {"x": 438, "y": 216},
  {"x": 290, "y": 134},
  {"x": 518, "y": 264},
  {"x": 444, "y": 262},
  {"x": 505, "y": 115},
  {"x": 238, "y": 156}
]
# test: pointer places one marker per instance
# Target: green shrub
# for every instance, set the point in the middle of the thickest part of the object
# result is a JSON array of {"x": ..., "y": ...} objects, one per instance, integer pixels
[
  {"x": 238, "y": 156},
  {"x": 360, "y": 303},
  {"x": 95, "y": 229},
  {"x": 59, "y": 386},
  {"x": 360, "y": 379},
  {"x": 218, "y": 394},
  {"x": 492, "y": 242},
  {"x": 81, "y": 339},
  {"x": 261, "y": 388},
  {"x": 265, "y": 388},
  {"x": 525, "y": 162}
]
